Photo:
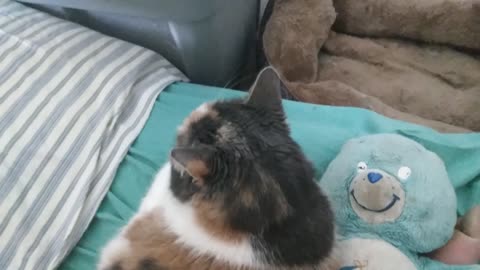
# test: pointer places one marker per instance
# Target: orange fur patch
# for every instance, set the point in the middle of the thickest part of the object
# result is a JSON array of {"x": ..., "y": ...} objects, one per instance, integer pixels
[
  {"x": 198, "y": 170},
  {"x": 283, "y": 208},
  {"x": 248, "y": 198},
  {"x": 153, "y": 245}
]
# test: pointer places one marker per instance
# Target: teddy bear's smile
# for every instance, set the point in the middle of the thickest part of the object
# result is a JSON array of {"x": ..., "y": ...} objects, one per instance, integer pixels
[
  {"x": 390, "y": 205},
  {"x": 376, "y": 196}
]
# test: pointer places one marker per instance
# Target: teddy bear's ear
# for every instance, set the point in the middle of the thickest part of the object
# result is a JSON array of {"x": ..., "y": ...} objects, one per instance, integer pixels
[{"x": 266, "y": 91}]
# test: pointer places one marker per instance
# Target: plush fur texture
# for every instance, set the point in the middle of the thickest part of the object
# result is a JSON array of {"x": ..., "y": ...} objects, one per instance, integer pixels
[
  {"x": 431, "y": 82},
  {"x": 460, "y": 250},
  {"x": 238, "y": 194},
  {"x": 416, "y": 81},
  {"x": 410, "y": 177},
  {"x": 450, "y": 22},
  {"x": 331, "y": 92},
  {"x": 292, "y": 38},
  {"x": 427, "y": 216}
]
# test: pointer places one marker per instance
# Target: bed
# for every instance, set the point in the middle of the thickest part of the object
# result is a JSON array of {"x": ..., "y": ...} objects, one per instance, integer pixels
[
  {"x": 320, "y": 130},
  {"x": 165, "y": 97}
]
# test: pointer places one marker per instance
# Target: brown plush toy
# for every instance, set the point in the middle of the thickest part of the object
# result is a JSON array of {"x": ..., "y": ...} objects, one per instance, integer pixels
[{"x": 464, "y": 247}]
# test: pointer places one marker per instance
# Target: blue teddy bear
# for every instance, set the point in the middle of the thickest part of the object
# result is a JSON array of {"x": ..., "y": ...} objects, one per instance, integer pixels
[{"x": 393, "y": 202}]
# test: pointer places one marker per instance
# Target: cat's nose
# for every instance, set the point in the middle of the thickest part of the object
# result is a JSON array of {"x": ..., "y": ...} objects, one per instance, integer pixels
[{"x": 374, "y": 177}]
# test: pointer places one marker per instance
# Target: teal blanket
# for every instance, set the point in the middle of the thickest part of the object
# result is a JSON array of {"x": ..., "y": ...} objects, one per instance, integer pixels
[{"x": 320, "y": 130}]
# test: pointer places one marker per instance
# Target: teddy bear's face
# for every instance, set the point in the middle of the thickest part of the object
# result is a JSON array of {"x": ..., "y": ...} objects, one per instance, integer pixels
[
  {"x": 377, "y": 196},
  {"x": 389, "y": 186}
]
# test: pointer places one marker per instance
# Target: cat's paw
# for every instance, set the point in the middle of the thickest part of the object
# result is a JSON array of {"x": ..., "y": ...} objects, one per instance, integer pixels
[{"x": 113, "y": 253}]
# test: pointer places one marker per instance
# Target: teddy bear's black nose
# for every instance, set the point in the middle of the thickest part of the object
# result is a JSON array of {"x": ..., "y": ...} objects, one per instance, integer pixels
[{"x": 374, "y": 177}]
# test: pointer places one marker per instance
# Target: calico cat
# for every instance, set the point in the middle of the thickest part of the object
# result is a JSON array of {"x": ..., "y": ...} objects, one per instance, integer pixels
[{"x": 237, "y": 193}]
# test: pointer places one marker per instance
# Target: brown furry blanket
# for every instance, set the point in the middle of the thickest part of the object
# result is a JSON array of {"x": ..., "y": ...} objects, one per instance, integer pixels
[{"x": 411, "y": 60}]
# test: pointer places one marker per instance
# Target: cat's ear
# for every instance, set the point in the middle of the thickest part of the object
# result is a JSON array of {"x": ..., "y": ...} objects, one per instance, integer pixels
[
  {"x": 266, "y": 90},
  {"x": 196, "y": 161}
]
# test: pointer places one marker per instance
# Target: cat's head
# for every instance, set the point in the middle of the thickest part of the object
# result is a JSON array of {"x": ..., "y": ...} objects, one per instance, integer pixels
[{"x": 232, "y": 158}]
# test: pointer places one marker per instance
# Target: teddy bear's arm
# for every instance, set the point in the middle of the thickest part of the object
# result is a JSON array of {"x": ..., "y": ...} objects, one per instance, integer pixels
[{"x": 429, "y": 264}]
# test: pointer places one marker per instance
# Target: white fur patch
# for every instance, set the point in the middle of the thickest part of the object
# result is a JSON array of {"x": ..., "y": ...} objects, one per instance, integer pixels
[
  {"x": 203, "y": 109},
  {"x": 195, "y": 115},
  {"x": 180, "y": 219},
  {"x": 116, "y": 249},
  {"x": 372, "y": 254}
]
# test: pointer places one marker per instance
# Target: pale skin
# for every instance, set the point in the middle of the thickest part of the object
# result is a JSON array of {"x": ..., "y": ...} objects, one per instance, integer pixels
[
  {"x": 464, "y": 246},
  {"x": 460, "y": 250}
]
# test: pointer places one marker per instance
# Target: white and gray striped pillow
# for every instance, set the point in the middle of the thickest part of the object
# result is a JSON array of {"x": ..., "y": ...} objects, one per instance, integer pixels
[{"x": 71, "y": 103}]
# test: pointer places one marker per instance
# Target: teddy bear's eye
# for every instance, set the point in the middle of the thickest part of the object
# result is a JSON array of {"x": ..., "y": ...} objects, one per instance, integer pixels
[
  {"x": 362, "y": 166},
  {"x": 404, "y": 173}
]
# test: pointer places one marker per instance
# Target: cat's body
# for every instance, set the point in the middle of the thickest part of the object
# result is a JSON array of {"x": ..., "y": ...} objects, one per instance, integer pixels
[{"x": 237, "y": 194}]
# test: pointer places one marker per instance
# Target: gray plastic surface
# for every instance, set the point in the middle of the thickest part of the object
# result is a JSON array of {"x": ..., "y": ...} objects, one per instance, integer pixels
[
  {"x": 211, "y": 41},
  {"x": 190, "y": 10}
]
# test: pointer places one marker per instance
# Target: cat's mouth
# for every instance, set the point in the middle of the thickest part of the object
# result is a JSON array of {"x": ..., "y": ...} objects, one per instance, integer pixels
[{"x": 394, "y": 200}]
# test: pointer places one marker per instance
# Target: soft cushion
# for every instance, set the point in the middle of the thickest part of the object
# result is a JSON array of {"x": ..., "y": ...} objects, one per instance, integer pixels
[{"x": 71, "y": 103}]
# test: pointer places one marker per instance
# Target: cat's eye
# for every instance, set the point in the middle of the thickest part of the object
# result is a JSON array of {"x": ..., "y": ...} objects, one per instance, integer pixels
[
  {"x": 404, "y": 173},
  {"x": 362, "y": 166}
]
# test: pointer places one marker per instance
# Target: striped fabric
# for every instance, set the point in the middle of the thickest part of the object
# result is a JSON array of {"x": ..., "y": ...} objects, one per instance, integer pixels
[{"x": 71, "y": 103}]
